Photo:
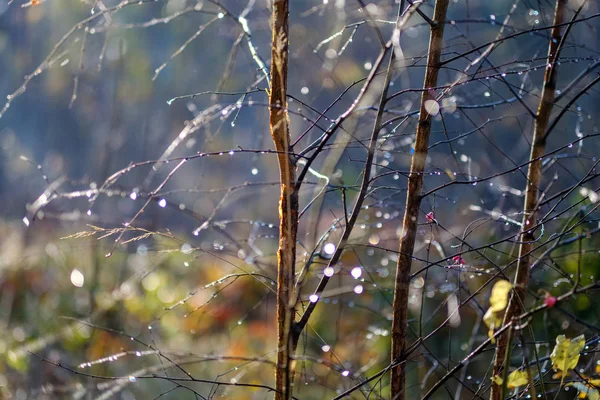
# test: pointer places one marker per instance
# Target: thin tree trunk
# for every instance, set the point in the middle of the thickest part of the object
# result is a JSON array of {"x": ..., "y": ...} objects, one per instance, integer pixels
[
  {"x": 413, "y": 201},
  {"x": 534, "y": 177},
  {"x": 288, "y": 202}
]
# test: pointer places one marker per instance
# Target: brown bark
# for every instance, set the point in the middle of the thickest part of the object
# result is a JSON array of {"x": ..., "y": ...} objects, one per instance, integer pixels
[
  {"x": 413, "y": 201},
  {"x": 288, "y": 202},
  {"x": 534, "y": 177}
]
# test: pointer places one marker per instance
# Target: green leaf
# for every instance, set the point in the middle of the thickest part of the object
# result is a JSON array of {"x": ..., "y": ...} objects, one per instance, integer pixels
[
  {"x": 565, "y": 355},
  {"x": 17, "y": 360}
]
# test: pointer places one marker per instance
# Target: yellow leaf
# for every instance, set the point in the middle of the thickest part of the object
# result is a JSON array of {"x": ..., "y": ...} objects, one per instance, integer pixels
[
  {"x": 585, "y": 391},
  {"x": 498, "y": 301},
  {"x": 450, "y": 174},
  {"x": 594, "y": 382},
  {"x": 566, "y": 352},
  {"x": 557, "y": 375},
  {"x": 517, "y": 378},
  {"x": 497, "y": 380},
  {"x": 492, "y": 319},
  {"x": 499, "y": 297}
]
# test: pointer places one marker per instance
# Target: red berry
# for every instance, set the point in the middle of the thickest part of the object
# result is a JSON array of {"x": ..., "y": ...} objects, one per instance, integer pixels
[{"x": 550, "y": 301}]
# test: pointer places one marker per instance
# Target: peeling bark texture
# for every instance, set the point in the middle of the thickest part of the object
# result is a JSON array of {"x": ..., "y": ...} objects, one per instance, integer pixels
[
  {"x": 288, "y": 202},
  {"x": 413, "y": 201},
  {"x": 534, "y": 177}
]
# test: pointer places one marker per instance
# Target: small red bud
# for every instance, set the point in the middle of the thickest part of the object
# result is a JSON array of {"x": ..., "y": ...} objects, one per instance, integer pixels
[
  {"x": 550, "y": 301},
  {"x": 430, "y": 217},
  {"x": 458, "y": 260}
]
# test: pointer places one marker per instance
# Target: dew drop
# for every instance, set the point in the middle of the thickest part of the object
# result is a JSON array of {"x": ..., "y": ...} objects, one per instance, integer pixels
[
  {"x": 77, "y": 278},
  {"x": 356, "y": 272},
  {"x": 329, "y": 249},
  {"x": 432, "y": 107}
]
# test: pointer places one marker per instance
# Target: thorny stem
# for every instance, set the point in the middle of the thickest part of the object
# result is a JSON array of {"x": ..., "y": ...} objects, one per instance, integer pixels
[
  {"x": 534, "y": 177},
  {"x": 413, "y": 200},
  {"x": 288, "y": 202}
]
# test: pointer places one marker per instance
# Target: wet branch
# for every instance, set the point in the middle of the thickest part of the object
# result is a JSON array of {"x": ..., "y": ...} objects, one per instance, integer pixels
[
  {"x": 534, "y": 178},
  {"x": 413, "y": 201},
  {"x": 288, "y": 202}
]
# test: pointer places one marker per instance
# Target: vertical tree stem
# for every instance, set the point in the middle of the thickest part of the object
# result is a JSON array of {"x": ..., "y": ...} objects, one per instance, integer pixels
[
  {"x": 288, "y": 202},
  {"x": 534, "y": 177},
  {"x": 413, "y": 201}
]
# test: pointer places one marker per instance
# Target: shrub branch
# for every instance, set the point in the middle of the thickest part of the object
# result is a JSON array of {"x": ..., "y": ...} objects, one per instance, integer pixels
[
  {"x": 534, "y": 177},
  {"x": 413, "y": 201},
  {"x": 288, "y": 202}
]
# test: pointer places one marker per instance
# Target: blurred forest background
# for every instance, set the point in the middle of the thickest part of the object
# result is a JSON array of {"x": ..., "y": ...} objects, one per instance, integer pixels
[{"x": 195, "y": 282}]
